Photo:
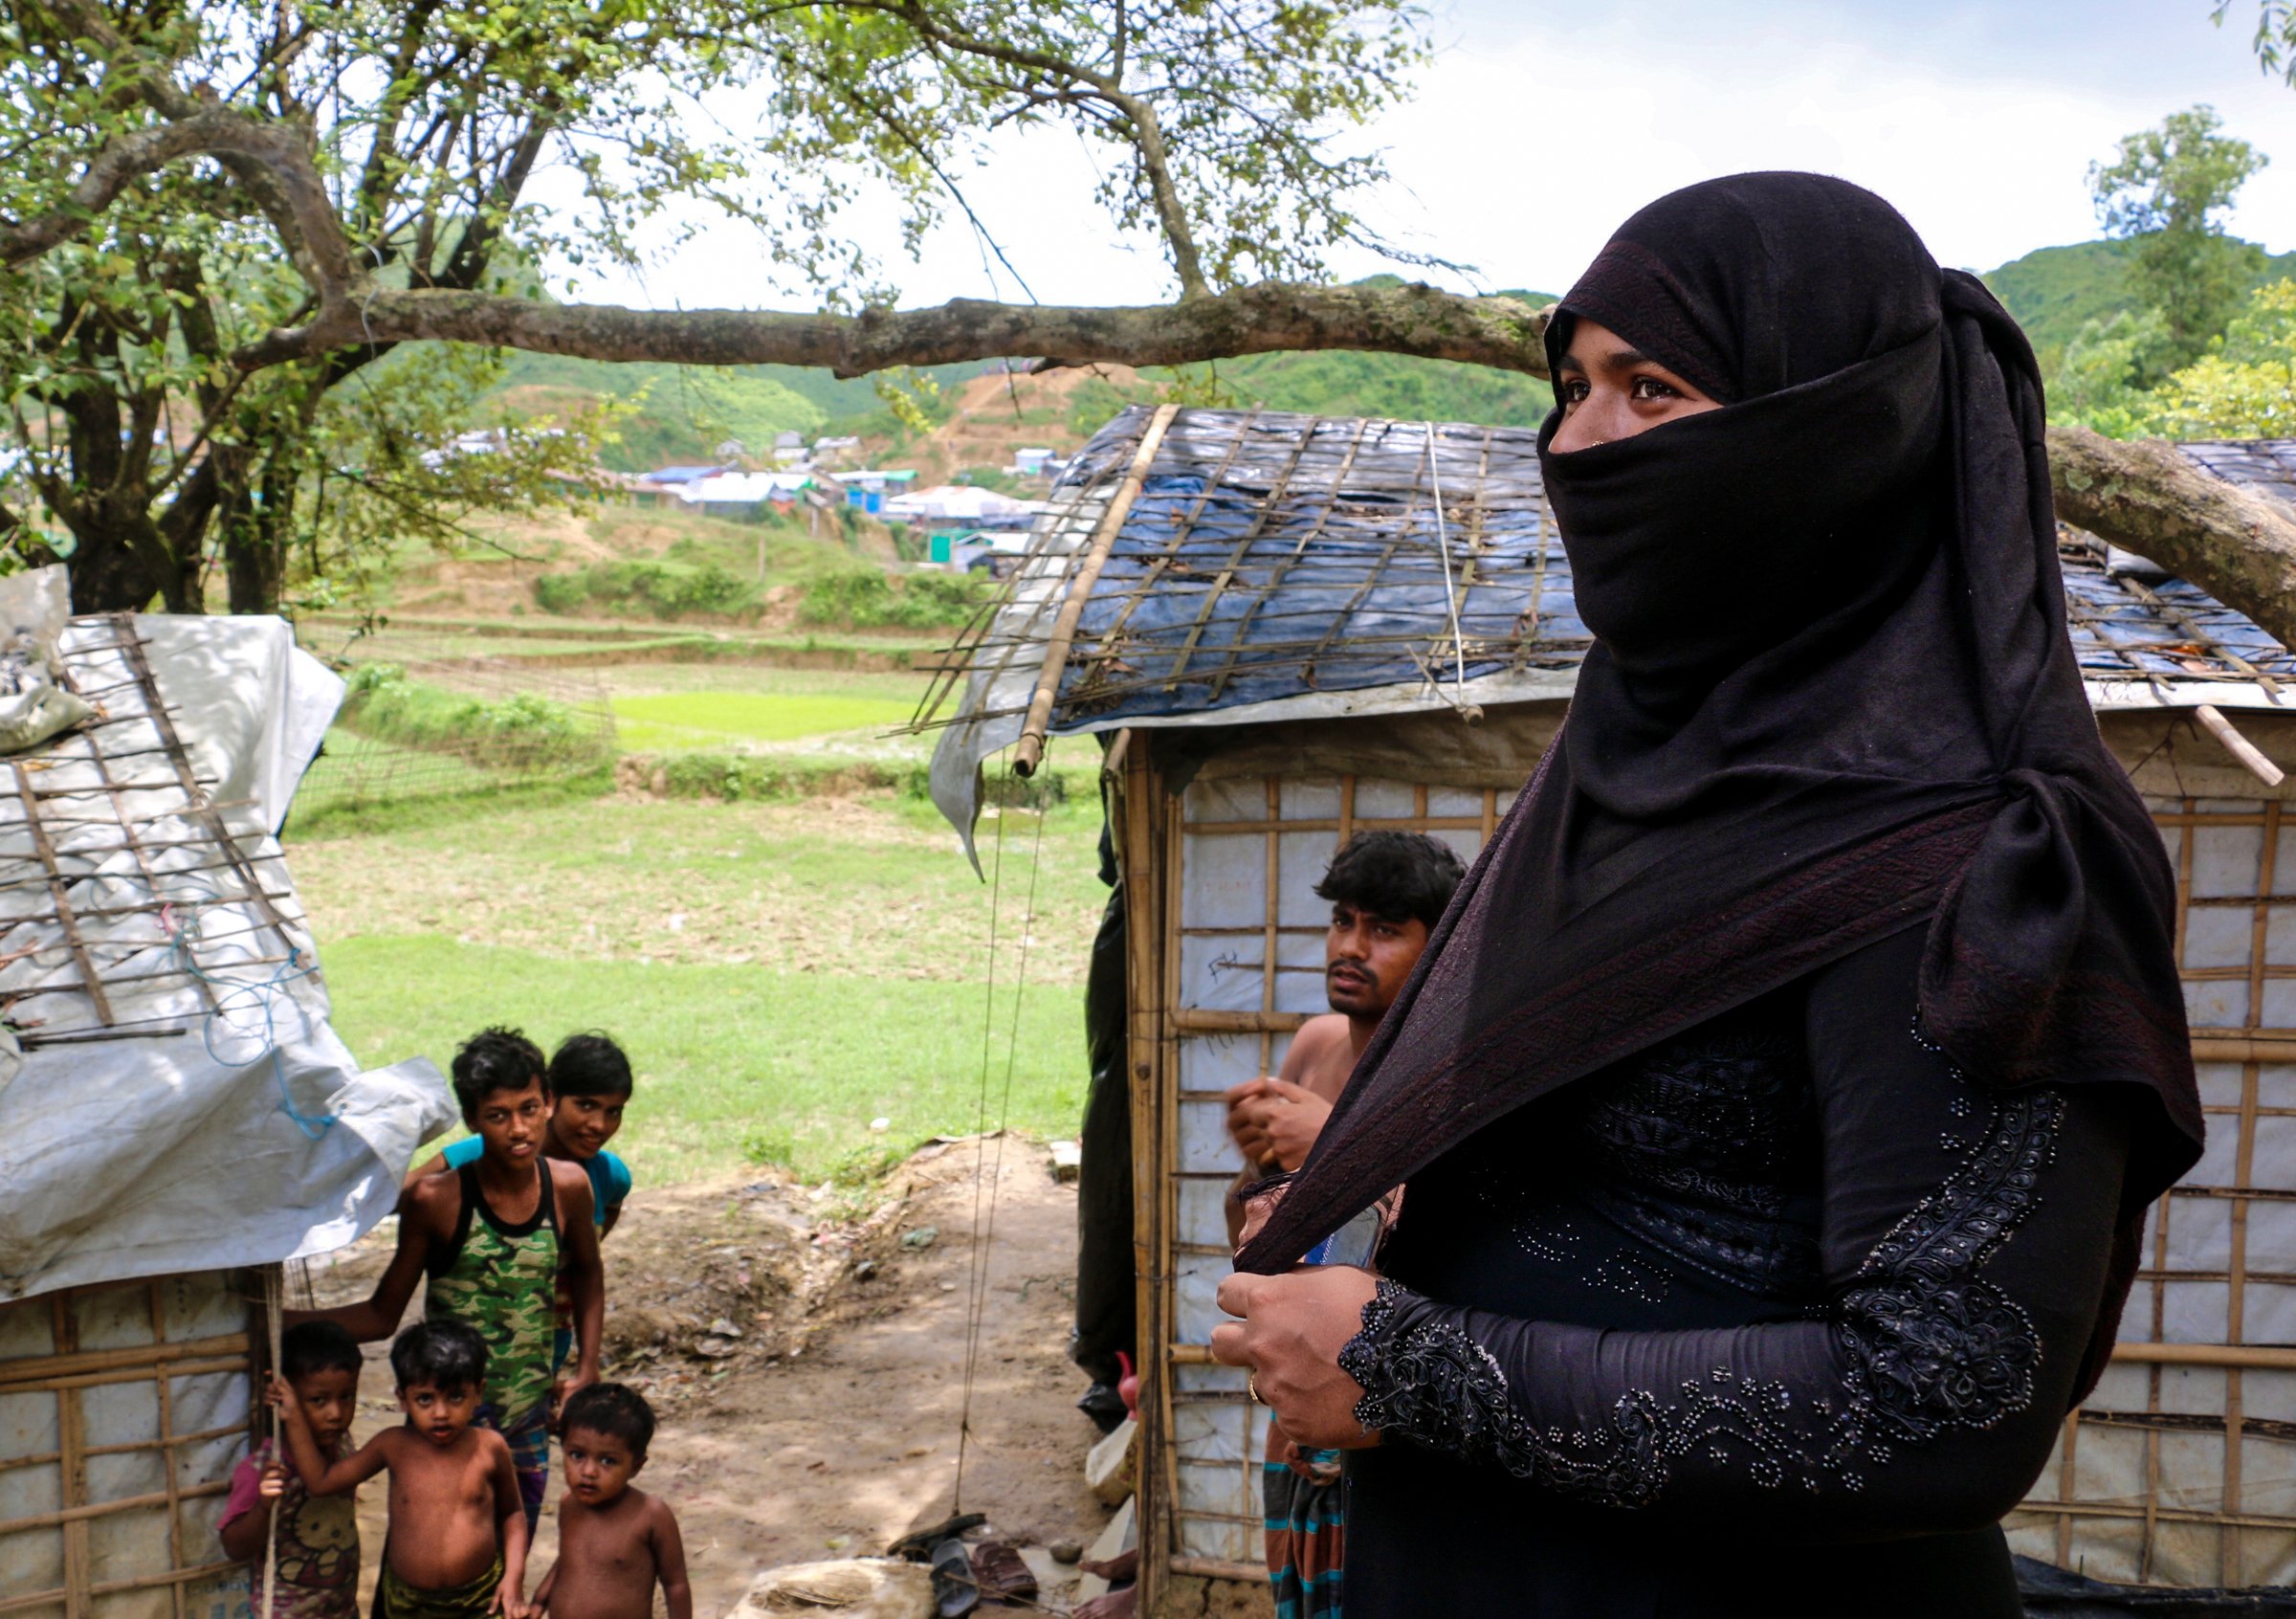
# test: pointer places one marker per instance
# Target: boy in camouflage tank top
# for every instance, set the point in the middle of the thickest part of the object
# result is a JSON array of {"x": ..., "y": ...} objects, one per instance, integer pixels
[{"x": 494, "y": 1238}]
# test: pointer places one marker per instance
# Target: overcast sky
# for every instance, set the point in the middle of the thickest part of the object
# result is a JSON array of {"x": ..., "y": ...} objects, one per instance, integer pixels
[{"x": 1540, "y": 126}]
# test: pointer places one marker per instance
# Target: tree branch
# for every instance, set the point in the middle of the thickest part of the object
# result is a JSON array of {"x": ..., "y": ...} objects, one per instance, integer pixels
[
  {"x": 2147, "y": 497},
  {"x": 1266, "y": 318},
  {"x": 118, "y": 164}
]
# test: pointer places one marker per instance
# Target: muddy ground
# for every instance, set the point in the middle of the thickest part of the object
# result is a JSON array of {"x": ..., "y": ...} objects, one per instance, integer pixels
[{"x": 806, "y": 1350}]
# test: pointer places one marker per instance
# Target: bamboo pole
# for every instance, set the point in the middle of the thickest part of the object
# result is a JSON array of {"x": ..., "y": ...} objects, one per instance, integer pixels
[
  {"x": 49, "y": 1372},
  {"x": 2249, "y": 1357},
  {"x": 1032, "y": 749},
  {"x": 2238, "y": 745}
]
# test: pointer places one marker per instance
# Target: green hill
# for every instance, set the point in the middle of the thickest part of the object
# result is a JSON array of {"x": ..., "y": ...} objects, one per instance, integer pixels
[
  {"x": 2054, "y": 291},
  {"x": 691, "y": 409}
]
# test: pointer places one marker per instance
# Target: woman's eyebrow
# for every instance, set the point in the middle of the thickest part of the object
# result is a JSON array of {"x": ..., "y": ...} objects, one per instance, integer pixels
[{"x": 1613, "y": 360}]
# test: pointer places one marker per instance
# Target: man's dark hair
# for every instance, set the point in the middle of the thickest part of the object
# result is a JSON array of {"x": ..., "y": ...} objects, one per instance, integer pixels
[
  {"x": 449, "y": 1356},
  {"x": 496, "y": 1060},
  {"x": 1402, "y": 876},
  {"x": 589, "y": 1064},
  {"x": 317, "y": 1346},
  {"x": 611, "y": 1409}
]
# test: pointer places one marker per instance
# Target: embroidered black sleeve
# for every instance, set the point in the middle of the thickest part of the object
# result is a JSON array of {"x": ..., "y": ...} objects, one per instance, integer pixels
[{"x": 1917, "y": 1345}]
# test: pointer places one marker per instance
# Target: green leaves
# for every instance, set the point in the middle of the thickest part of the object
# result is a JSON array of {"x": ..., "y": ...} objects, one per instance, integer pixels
[{"x": 2164, "y": 193}]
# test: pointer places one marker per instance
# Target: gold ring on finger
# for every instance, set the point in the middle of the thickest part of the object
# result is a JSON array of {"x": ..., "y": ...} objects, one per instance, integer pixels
[{"x": 1252, "y": 1387}]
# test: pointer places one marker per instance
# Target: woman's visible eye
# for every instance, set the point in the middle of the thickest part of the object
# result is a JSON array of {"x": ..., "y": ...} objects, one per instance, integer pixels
[
  {"x": 1650, "y": 387},
  {"x": 1573, "y": 391}
]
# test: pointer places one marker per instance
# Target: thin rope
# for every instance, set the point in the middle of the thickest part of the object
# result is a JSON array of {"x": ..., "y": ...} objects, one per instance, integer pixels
[
  {"x": 988, "y": 1027},
  {"x": 273, "y": 1301},
  {"x": 1443, "y": 544},
  {"x": 984, "y": 1240}
]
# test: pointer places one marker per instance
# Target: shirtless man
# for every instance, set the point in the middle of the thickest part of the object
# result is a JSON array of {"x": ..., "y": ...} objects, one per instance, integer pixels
[{"x": 1387, "y": 889}]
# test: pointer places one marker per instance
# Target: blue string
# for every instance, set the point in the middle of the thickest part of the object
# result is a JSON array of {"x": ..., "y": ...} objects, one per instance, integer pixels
[{"x": 264, "y": 993}]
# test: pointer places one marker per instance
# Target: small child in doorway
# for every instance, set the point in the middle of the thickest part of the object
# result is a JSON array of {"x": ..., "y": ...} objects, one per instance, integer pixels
[
  {"x": 614, "y": 1542},
  {"x": 456, "y": 1545},
  {"x": 315, "y": 1573}
]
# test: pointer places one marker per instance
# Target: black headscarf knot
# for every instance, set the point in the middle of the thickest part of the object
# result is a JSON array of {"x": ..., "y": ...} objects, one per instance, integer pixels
[{"x": 1831, "y": 698}]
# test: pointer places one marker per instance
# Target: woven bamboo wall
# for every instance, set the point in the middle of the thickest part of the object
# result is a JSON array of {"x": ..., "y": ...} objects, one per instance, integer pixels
[
  {"x": 123, "y": 1409},
  {"x": 1241, "y": 945},
  {"x": 2180, "y": 1470}
]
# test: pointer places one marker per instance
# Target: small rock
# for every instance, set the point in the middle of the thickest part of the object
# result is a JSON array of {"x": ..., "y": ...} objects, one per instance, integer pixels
[
  {"x": 878, "y": 1126},
  {"x": 866, "y": 1271},
  {"x": 1066, "y": 1551},
  {"x": 1067, "y": 1160},
  {"x": 724, "y": 1328},
  {"x": 924, "y": 1236},
  {"x": 715, "y": 1348}
]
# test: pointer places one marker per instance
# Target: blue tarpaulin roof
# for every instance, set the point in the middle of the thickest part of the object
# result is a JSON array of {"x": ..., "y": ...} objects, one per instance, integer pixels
[{"x": 1271, "y": 557}]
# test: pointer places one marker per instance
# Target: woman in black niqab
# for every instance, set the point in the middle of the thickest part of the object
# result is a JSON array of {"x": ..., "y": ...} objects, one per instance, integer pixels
[{"x": 1781, "y": 1095}]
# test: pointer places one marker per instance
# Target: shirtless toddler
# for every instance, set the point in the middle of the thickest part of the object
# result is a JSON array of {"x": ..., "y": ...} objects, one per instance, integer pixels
[
  {"x": 615, "y": 1543},
  {"x": 456, "y": 1544}
]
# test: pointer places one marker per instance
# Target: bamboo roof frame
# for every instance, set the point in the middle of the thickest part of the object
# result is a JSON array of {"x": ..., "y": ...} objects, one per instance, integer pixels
[
  {"x": 1272, "y": 555},
  {"x": 76, "y": 927}
]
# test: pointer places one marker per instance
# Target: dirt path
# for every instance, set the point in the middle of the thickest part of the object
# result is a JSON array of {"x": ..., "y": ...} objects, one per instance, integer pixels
[{"x": 828, "y": 1427}]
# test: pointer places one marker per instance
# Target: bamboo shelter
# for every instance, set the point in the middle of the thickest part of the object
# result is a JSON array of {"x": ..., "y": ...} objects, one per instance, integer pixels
[
  {"x": 1287, "y": 629},
  {"x": 176, "y": 1116}
]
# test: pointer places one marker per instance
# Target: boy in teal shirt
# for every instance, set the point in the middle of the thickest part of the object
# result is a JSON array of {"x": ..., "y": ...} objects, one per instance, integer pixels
[
  {"x": 591, "y": 1086},
  {"x": 498, "y": 1240}
]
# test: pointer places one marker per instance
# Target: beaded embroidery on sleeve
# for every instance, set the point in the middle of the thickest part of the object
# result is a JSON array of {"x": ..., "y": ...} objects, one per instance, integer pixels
[{"x": 1929, "y": 1345}]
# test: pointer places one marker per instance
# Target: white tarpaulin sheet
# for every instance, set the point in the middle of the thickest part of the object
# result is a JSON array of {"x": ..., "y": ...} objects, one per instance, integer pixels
[{"x": 206, "y": 1115}]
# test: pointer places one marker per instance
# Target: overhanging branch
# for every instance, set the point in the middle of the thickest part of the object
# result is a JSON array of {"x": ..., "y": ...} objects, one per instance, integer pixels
[
  {"x": 1500, "y": 332},
  {"x": 2146, "y": 496}
]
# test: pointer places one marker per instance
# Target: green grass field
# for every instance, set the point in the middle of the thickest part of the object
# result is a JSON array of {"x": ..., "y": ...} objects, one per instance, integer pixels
[
  {"x": 782, "y": 973},
  {"x": 736, "y": 1064},
  {"x": 666, "y": 721}
]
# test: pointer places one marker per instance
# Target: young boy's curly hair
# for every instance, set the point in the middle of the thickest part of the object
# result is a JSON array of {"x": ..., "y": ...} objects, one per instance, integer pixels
[
  {"x": 449, "y": 1356},
  {"x": 613, "y": 1410},
  {"x": 496, "y": 1060}
]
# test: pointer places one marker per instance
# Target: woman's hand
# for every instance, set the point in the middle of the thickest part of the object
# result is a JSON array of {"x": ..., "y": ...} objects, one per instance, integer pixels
[{"x": 1291, "y": 1332}]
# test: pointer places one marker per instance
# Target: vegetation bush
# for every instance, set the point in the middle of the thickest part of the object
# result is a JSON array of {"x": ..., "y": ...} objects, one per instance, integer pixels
[
  {"x": 870, "y": 600},
  {"x": 667, "y": 589},
  {"x": 738, "y": 776},
  {"x": 521, "y": 731}
]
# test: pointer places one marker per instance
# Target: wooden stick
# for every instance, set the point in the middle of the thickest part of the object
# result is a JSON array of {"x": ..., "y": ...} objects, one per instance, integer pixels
[
  {"x": 274, "y": 1284},
  {"x": 42, "y": 1373},
  {"x": 1220, "y": 1569},
  {"x": 2253, "y": 1357},
  {"x": 87, "y": 1510},
  {"x": 1032, "y": 749},
  {"x": 2238, "y": 745},
  {"x": 2242, "y": 1048},
  {"x": 16, "y": 1602},
  {"x": 57, "y": 890},
  {"x": 1205, "y": 1020}
]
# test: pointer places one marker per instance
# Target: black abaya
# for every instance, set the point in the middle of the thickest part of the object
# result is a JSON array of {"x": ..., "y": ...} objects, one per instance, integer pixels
[{"x": 1779, "y": 1316}]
